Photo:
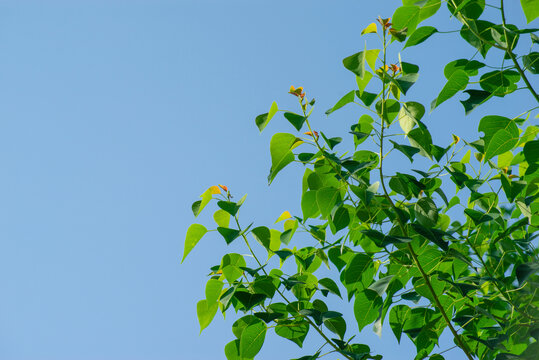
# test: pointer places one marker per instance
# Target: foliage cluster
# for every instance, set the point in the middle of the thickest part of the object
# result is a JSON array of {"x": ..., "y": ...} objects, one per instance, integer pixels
[{"x": 388, "y": 240}]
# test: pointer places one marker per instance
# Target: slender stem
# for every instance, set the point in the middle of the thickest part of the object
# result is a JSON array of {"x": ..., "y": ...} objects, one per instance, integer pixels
[
  {"x": 512, "y": 56},
  {"x": 425, "y": 276}
]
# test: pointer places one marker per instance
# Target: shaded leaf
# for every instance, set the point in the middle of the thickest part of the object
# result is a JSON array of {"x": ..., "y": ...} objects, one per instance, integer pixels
[
  {"x": 524, "y": 271},
  {"x": 228, "y": 234},
  {"x": 296, "y": 120},
  {"x": 409, "y": 151}
]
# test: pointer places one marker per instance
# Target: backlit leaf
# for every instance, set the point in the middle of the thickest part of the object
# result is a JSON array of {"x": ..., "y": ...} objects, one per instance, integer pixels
[
  {"x": 205, "y": 313},
  {"x": 263, "y": 120},
  {"x": 281, "y": 155},
  {"x": 371, "y": 28},
  {"x": 530, "y": 8},
  {"x": 195, "y": 232}
]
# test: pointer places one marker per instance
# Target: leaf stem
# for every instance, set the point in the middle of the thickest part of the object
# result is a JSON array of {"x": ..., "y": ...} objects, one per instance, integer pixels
[{"x": 512, "y": 56}]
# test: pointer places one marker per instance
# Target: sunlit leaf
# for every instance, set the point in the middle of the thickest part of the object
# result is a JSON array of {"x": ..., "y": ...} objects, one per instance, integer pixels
[
  {"x": 263, "y": 120},
  {"x": 457, "y": 82},
  {"x": 421, "y": 34},
  {"x": 205, "y": 313},
  {"x": 530, "y": 8},
  {"x": 195, "y": 232},
  {"x": 371, "y": 28}
]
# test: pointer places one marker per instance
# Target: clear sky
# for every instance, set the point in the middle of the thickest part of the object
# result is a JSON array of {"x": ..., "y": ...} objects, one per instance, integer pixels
[{"x": 116, "y": 115}]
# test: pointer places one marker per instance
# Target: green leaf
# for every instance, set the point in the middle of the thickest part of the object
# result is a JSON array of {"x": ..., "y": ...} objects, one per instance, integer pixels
[
  {"x": 242, "y": 323},
  {"x": 221, "y": 218},
  {"x": 332, "y": 142},
  {"x": 205, "y": 313},
  {"x": 228, "y": 234},
  {"x": 336, "y": 325},
  {"x": 470, "y": 67},
  {"x": 389, "y": 111},
  {"x": 366, "y": 97},
  {"x": 262, "y": 235},
  {"x": 406, "y": 17},
  {"x": 293, "y": 330},
  {"x": 346, "y": 99},
  {"x": 428, "y": 7},
  {"x": 231, "y": 265},
  {"x": 524, "y": 271},
  {"x": 399, "y": 35},
  {"x": 341, "y": 218},
  {"x": 195, "y": 232},
  {"x": 232, "y": 351},
  {"x": 249, "y": 300},
  {"x": 500, "y": 83},
  {"x": 330, "y": 285},
  {"x": 326, "y": 198},
  {"x": 367, "y": 307},
  {"x": 502, "y": 141},
  {"x": 263, "y": 120},
  {"x": 296, "y": 120},
  {"x": 420, "y": 35},
  {"x": 477, "y": 97},
  {"x": 397, "y": 319},
  {"x": 477, "y": 216},
  {"x": 420, "y": 138},
  {"x": 426, "y": 212},
  {"x": 457, "y": 82},
  {"x": 482, "y": 28},
  {"x": 229, "y": 206},
  {"x": 531, "y": 62},
  {"x": 252, "y": 339},
  {"x": 286, "y": 236},
  {"x": 409, "y": 115},
  {"x": 468, "y": 9},
  {"x": 531, "y": 151},
  {"x": 281, "y": 155},
  {"x": 433, "y": 235},
  {"x": 309, "y": 206},
  {"x": 530, "y": 8},
  {"x": 506, "y": 37},
  {"x": 357, "y": 268},
  {"x": 409, "y": 151},
  {"x": 363, "y": 82},
  {"x": 356, "y": 63},
  {"x": 405, "y": 82},
  {"x": 491, "y": 124},
  {"x": 213, "y": 290},
  {"x": 380, "y": 286}
]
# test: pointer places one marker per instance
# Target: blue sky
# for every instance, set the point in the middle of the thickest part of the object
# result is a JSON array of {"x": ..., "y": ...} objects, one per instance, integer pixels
[{"x": 115, "y": 116}]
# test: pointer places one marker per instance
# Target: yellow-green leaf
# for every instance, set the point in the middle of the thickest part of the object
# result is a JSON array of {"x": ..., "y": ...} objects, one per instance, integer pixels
[
  {"x": 194, "y": 234},
  {"x": 369, "y": 29},
  {"x": 205, "y": 313}
]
